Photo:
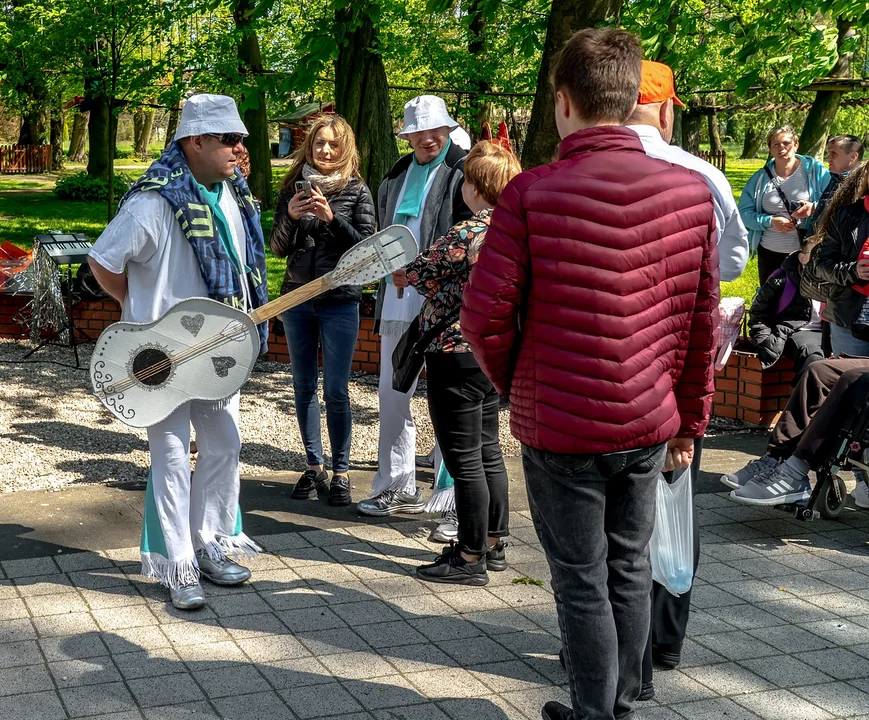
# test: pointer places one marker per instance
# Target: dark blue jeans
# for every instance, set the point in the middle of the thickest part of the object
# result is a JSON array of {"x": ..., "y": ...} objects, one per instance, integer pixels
[
  {"x": 334, "y": 327},
  {"x": 594, "y": 516}
]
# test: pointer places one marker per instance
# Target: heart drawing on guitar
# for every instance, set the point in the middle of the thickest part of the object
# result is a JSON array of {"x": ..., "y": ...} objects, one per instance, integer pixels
[
  {"x": 192, "y": 323},
  {"x": 222, "y": 365}
]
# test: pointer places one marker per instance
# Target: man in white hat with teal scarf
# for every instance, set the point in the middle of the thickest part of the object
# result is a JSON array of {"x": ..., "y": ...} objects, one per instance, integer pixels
[
  {"x": 189, "y": 228},
  {"x": 423, "y": 191}
]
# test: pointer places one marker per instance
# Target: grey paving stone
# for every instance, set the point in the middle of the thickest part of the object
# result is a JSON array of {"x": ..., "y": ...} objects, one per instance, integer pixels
[
  {"x": 281, "y": 541},
  {"x": 297, "y": 558},
  {"x": 844, "y": 579},
  {"x": 493, "y": 707},
  {"x": 373, "y": 568},
  {"x": 842, "y": 603},
  {"x": 840, "y": 631},
  {"x": 384, "y": 692},
  {"x": 33, "y": 706},
  {"x": 72, "y": 648},
  {"x": 714, "y": 709},
  {"x": 20, "y": 653},
  {"x": 777, "y": 704},
  {"x": 299, "y": 672},
  {"x": 118, "y": 596},
  {"x": 729, "y": 552},
  {"x": 390, "y": 634},
  {"x": 760, "y": 567},
  {"x": 447, "y": 682},
  {"x": 795, "y": 610},
  {"x": 427, "y": 711},
  {"x": 728, "y": 679},
  {"x": 326, "y": 642},
  {"x": 326, "y": 574},
  {"x": 498, "y": 622},
  {"x": 249, "y": 626},
  {"x": 32, "y": 586},
  {"x": 786, "y": 671},
  {"x": 839, "y": 699},
  {"x": 473, "y": 651},
  {"x": 272, "y": 647},
  {"x": 365, "y": 612},
  {"x": 709, "y": 596},
  {"x": 397, "y": 587},
  {"x": 233, "y": 680},
  {"x": 445, "y": 627},
  {"x": 260, "y": 706},
  {"x": 100, "y": 578},
  {"x": 76, "y": 673},
  {"x": 323, "y": 538},
  {"x": 187, "y": 711},
  {"x": 7, "y": 589},
  {"x": 644, "y": 712},
  {"x": 97, "y": 699},
  {"x": 151, "y": 663},
  {"x": 207, "y": 656},
  {"x": 675, "y": 686},
  {"x": 473, "y": 600},
  {"x": 194, "y": 633},
  {"x": 548, "y": 667},
  {"x": 276, "y": 580},
  {"x": 790, "y": 638},
  {"x": 416, "y": 658},
  {"x": 544, "y": 616},
  {"x": 736, "y": 645},
  {"x": 165, "y": 690},
  {"x": 315, "y": 702},
  {"x": 508, "y": 676},
  {"x": 28, "y": 679},
  {"x": 32, "y": 567},
  {"x": 124, "y": 617},
  {"x": 803, "y": 585},
  {"x": 809, "y": 563},
  {"x": 533, "y": 644},
  {"x": 521, "y": 596},
  {"x": 70, "y": 624},
  {"x": 743, "y": 617},
  {"x": 290, "y": 599},
  {"x": 751, "y": 590},
  {"x": 839, "y": 663},
  {"x": 16, "y": 630},
  {"x": 420, "y": 606},
  {"x": 357, "y": 665},
  {"x": 718, "y": 572},
  {"x": 14, "y": 609},
  {"x": 135, "y": 639},
  {"x": 238, "y": 604},
  {"x": 73, "y": 562},
  {"x": 529, "y": 702}
]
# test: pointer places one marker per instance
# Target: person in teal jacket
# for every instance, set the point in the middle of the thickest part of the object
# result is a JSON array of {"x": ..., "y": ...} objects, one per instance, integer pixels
[{"x": 778, "y": 202}]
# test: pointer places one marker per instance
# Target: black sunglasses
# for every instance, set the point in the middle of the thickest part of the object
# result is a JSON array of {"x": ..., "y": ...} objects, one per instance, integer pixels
[{"x": 228, "y": 139}]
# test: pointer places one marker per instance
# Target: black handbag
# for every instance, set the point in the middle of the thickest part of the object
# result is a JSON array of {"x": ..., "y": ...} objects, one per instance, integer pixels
[
  {"x": 811, "y": 287},
  {"x": 409, "y": 355}
]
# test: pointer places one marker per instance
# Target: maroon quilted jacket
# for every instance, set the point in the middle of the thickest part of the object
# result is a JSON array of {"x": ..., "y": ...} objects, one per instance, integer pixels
[{"x": 591, "y": 302}]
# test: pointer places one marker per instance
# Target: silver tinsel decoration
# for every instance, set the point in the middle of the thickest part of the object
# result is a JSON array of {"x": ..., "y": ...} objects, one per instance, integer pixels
[{"x": 47, "y": 309}]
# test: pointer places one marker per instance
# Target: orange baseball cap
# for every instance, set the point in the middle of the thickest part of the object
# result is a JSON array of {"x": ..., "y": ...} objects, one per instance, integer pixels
[{"x": 657, "y": 84}]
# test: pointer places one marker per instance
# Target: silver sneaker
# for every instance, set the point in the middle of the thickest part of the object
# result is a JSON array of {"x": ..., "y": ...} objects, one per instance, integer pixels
[
  {"x": 222, "y": 572},
  {"x": 774, "y": 488},
  {"x": 448, "y": 528},
  {"x": 762, "y": 465},
  {"x": 390, "y": 502},
  {"x": 188, "y": 597}
]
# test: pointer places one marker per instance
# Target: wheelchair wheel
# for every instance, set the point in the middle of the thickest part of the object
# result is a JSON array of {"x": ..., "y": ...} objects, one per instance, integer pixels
[{"x": 829, "y": 505}]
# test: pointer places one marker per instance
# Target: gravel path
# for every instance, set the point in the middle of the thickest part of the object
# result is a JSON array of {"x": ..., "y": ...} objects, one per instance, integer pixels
[{"x": 56, "y": 433}]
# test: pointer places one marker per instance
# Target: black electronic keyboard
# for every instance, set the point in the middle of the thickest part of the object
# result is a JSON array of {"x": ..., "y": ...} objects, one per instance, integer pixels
[{"x": 65, "y": 249}]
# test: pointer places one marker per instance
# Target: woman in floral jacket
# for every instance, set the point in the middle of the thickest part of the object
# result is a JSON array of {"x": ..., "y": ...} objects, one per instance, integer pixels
[{"x": 462, "y": 402}]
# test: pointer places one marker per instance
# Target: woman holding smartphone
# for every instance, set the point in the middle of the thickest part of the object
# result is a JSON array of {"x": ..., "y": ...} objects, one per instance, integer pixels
[{"x": 324, "y": 208}]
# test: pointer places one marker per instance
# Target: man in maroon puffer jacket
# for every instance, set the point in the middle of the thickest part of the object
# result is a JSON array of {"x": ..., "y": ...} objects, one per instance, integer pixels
[{"x": 592, "y": 307}]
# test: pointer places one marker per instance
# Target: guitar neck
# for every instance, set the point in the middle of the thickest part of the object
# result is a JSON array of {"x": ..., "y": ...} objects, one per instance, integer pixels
[{"x": 296, "y": 297}]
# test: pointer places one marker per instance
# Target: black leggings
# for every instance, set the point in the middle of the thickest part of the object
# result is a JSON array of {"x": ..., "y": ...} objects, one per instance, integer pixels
[
  {"x": 768, "y": 261},
  {"x": 463, "y": 405}
]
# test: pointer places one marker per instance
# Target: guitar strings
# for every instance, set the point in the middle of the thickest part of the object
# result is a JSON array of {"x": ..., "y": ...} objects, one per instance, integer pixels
[{"x": 209, "y": 344}]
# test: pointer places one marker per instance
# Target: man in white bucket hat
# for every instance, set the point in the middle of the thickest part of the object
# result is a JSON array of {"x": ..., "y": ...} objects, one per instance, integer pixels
[
  {"x": 189, "y": 228},
  {"x": 423, "y": 191}
]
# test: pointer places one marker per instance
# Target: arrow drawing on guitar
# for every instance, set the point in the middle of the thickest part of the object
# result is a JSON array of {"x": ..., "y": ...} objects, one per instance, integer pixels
[
  {"x": 192, "y": 323},
  {"x": 222, "y": 365}
]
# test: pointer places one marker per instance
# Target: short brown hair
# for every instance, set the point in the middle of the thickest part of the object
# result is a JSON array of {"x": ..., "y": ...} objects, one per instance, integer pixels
[
  {"x": 489, "y": 167},
  {"x": 848, "y": 143},
  {"x": 782, "y": 130},
  {"x": 600, "y": 71}
]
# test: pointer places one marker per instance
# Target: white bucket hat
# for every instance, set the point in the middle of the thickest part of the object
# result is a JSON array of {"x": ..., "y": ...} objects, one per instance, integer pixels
[
  {"x": 426, "y": 112},
  {"x": 207, "y": 114}
]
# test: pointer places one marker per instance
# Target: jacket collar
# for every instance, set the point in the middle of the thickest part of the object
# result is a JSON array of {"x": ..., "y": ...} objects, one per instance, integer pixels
[
  {"x": 454, "y": 154},
  {"x": 600, "y": 139}
]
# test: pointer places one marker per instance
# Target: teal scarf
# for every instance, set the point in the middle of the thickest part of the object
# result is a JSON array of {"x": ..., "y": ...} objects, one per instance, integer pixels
[{"x": 414, "y": 188}]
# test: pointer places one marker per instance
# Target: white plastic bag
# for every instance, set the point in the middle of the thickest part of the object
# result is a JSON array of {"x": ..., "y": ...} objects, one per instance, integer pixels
[
  {"x": 730, "y": 313},
  {"x": 672, "y": 544}
]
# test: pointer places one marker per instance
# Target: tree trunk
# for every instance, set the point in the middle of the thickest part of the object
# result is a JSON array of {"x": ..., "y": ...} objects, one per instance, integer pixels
[
  {"x": 476, "y": 48},
  {"x": 565, "y": 18},
  {"x": 813, "y": 138},
  {"x": 752, "y": 143},
  {"x": 78, "y": 137},
  {"x": 34, "y": 129},
  {"x": 253, "y": 97},
  {"x": 147, "y": 128},
  {"x": 99, "y": 133},
  {"x": 172, "y": 125},
  {"x": 138, "y": 124},
  {"x": 714, "y": 135},
  {"x": 362, "y": 95},
  {"x": 732, "y": 126},
  {"x": 691, "y": 127},
  {"x": 56, "y": 135},
  {"x": 678, "y": 135}
]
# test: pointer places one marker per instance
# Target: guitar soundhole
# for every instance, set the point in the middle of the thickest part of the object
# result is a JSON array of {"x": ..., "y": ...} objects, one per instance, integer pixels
[{"x": 152, "y": 366}]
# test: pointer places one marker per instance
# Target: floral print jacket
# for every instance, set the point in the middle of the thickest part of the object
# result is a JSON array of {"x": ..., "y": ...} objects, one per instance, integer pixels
[{"x": 440, "y": 275}]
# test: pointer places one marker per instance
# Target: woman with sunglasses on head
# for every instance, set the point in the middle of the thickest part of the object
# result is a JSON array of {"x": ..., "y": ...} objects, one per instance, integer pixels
[{"x": 324, "y": 208}]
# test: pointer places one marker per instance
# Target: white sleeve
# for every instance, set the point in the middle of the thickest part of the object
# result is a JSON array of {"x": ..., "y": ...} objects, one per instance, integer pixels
[
  {"x": 732, "y": 245},
  {"x": 131, "y": 237}
]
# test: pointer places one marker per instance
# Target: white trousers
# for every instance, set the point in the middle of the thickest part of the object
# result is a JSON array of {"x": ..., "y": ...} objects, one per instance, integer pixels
[{"x": 184, "y": 514}]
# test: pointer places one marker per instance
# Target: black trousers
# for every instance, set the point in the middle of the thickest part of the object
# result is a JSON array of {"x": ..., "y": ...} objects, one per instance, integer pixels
[
  {"x": 463, "y": 405},
  {"x": 768, "y": 261},
  {"x": 669, "y": 612}
]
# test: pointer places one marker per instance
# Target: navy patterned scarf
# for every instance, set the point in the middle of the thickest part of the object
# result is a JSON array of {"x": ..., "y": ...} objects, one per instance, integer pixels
[{"x": 170, "y": 176}]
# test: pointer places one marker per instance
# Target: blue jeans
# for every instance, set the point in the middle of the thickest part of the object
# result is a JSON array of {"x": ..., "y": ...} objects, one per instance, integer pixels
[
  {"x": 844, "y": 342},
  {"x": 594, "y": 516},
  {"x": 334, "y": 327}
]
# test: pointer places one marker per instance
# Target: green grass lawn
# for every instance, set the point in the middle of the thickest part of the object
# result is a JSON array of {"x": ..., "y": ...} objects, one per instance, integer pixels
[{"x": 28, "y": 207}]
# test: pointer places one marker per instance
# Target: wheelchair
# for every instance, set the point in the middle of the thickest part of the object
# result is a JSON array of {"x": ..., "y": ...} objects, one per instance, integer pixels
[{"x": 846, "y": 449}]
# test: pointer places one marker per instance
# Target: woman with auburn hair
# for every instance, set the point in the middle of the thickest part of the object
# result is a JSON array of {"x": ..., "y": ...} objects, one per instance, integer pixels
[
  {"x": 324, "y": 208},
  {"x": 462, "y": 402}
]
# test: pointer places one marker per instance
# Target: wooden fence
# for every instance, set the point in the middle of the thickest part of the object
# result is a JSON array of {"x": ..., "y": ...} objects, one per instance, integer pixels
[
  {"x": 25, "y": 159},
  {"x": 718, "y": 159}
]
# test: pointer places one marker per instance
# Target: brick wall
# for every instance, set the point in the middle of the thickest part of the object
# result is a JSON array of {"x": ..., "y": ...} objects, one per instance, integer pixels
[{"x": 744, "y": 391}]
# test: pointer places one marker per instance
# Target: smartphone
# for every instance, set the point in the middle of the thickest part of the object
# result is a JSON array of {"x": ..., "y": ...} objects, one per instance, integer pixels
[{"x": 304, "y": 187}]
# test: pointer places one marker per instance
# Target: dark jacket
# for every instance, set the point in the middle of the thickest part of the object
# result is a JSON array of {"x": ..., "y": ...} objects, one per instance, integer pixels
[
  {"x": 313, "y": 248},
  {"x": 835, "y": 261},
  {"x": 592, "y": 300},
  {"x": 770, "y": 324}
]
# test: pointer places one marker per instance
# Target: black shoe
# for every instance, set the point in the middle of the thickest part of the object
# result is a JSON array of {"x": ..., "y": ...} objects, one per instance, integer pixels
[
  {"x": 339, "y": 490},
  {"x": 556, "y": 711},
  {"x": 647, "y": 692},
  {"x": 668, "y": 656},
  {"x": 496, "y": 558},
  {"x": 451, "y": 567},
  {"x": 310, "y": 485},
  {"x": 425, "y": 461}
]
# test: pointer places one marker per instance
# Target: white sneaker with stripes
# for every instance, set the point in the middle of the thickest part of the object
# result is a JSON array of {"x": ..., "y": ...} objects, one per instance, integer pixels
[{"x": 775, "y": 487}]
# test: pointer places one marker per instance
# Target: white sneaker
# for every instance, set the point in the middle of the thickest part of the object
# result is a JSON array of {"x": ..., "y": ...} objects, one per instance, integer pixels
[
  {"x": 861, "y": 494},
  {"x": 763, "y": 464}
]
